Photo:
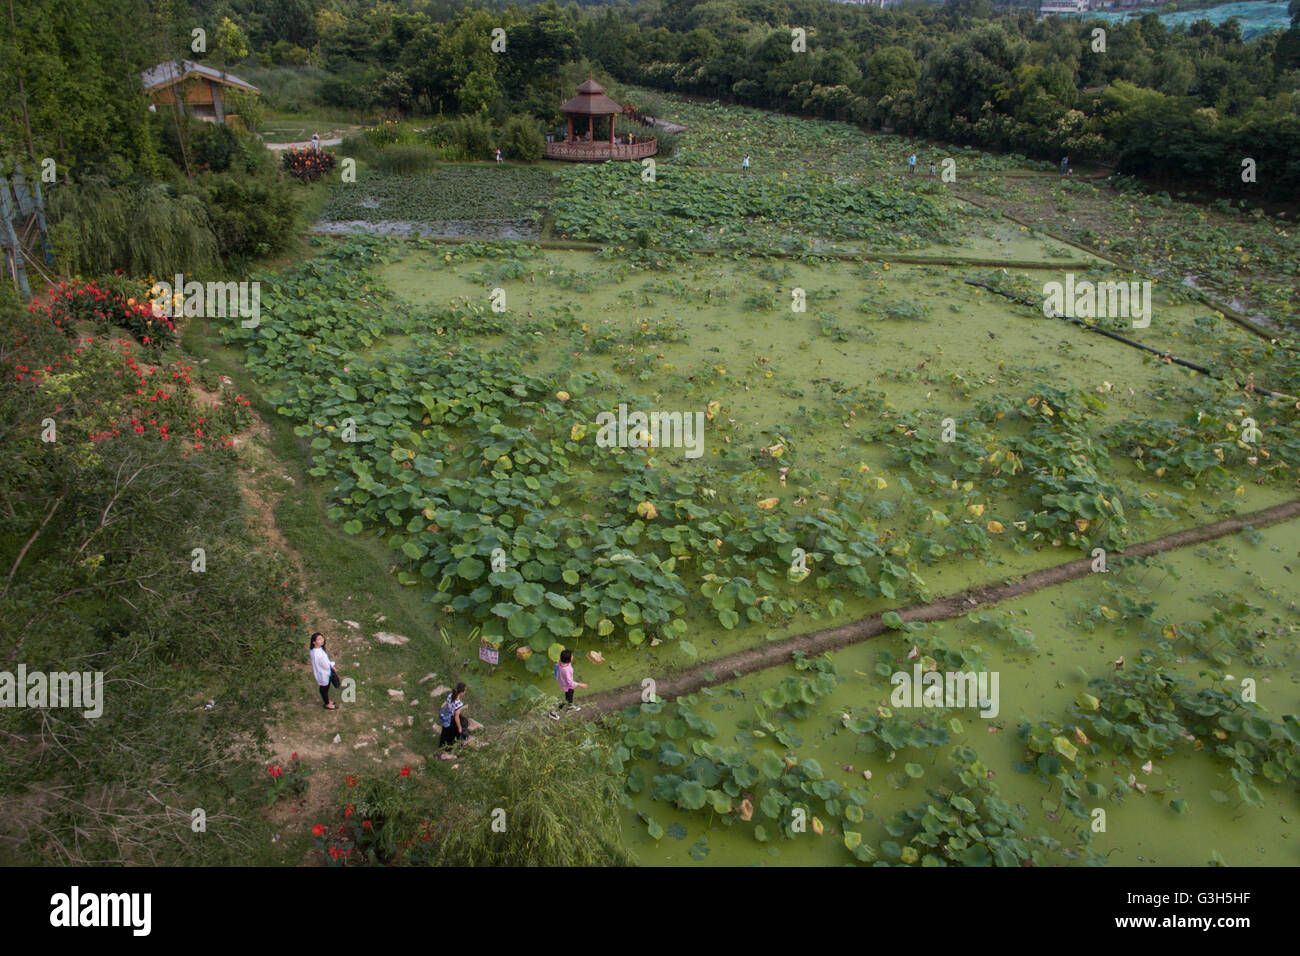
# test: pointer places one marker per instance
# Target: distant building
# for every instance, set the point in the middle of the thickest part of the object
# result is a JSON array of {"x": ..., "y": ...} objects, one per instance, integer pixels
[
  {"x": 201, "y": 89},
  {"x": 1055, "y": 7}
]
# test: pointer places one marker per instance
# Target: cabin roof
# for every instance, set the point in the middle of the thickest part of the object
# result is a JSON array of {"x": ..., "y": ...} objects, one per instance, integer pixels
[{"x": 165, "y": 74}]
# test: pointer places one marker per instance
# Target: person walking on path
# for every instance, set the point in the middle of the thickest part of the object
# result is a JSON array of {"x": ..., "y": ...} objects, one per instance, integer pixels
[
  {"x": 322, "y": 668},
  {"x": 744, "y": 164},
  {"x": 498, "y": 154},
  {"x": 450, "y": 716},
  {"x": 911, "y": 164},
  {"x": 564, "y": 674},
  {"x": 1065, "y": 164},
  {"x": 932, "y": 167},
  {"x": 315, "y": 142}
]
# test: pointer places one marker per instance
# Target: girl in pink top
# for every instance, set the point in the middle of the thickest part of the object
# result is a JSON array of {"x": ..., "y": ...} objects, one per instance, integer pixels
[{"x": 564, "y": 674}]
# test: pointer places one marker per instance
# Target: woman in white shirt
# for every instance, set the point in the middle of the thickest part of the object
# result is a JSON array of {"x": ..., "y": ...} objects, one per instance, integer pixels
[{"x": 322, "y": 668}]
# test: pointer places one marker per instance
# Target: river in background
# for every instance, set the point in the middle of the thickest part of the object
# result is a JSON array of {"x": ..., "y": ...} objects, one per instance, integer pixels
[{"x": 1256, "y": 16}]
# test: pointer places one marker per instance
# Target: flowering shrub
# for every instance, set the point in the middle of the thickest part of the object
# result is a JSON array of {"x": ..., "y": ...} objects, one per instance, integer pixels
[
  {"x": 375, "y": 811},
  {"x": 122, "y": 394},
  {"x": 288, "y": 781},
  {"x": 70, "y": 303},
  {"x": 307, "y": 164}
]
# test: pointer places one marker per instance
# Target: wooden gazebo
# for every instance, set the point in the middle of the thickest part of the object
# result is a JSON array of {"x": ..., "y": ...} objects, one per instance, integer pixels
[{"x": 590, "y": 103}]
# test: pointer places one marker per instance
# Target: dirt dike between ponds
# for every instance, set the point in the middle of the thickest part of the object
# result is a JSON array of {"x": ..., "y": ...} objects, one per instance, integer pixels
[{"x": 728, "y": 668}]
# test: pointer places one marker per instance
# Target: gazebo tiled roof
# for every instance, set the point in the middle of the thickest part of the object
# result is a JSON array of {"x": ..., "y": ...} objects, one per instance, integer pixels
[{"x": 591, "y": 101}]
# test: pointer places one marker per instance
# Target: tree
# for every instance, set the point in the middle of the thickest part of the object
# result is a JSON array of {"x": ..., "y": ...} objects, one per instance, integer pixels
[{"x": 231, "y": 43}]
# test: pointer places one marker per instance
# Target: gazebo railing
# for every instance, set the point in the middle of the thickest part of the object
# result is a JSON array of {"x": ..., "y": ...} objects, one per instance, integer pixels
[{"x": 583, "y": 150}]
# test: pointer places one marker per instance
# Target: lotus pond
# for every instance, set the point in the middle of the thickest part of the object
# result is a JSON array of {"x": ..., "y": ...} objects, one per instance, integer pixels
[{"x": 881, "y": 424}]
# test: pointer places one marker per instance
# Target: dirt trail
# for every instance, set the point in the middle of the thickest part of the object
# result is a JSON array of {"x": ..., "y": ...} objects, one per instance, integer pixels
[{"x": 954, "y": 605}]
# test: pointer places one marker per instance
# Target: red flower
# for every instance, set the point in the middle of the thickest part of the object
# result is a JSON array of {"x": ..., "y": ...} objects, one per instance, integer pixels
[
  {"x": 348, "y": 812},
  {"x": 274, "y": 770},
  {"x": 351, "y": 781},
  {"x": 365, "y": 825},
  {"x": 318, "y": 830},
  {"x": 405, "y": 771}
]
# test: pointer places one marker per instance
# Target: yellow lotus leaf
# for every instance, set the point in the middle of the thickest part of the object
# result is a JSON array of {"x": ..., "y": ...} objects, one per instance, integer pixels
[
  {"x": 1081, "y": 737},
  {"x": 976, "y": 510},
  {"x": 817, "y": 826},
  {"x": 647, "y": 510},
  {"x": 995, "y": 527},
  {"x": 909, "y": 854},
  {"x": 577, "y": 432},
  {"x": 711, "y": 409},
  {"x": 878, "y": 483},
  {"x": 1082, "y": 524},
  {"x": 523, "y": 653},
  {"x": 596, "y": 657},
  {"x": 746, "y": 810},
  {"x": 562, "y": 396},
  {"x": 767, "y": 504}
]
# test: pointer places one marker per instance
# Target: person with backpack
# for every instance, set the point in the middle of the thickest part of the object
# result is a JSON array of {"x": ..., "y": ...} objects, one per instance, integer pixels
[
  {"x": 322, "y": 668},
  {"x": 453, "y": 709},
  {"x": 564, "y": 674}
]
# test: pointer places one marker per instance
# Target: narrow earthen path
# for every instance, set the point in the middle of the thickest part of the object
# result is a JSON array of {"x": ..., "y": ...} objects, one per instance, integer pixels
[{"x": 723, "y": 669}]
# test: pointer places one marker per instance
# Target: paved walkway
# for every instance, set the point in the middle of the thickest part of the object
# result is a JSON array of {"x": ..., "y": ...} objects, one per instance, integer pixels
[{"x": 304, "y": 145}]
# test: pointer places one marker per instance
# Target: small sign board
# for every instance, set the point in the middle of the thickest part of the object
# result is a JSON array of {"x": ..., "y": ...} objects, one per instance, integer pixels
[{"x": 486, "y": 652}]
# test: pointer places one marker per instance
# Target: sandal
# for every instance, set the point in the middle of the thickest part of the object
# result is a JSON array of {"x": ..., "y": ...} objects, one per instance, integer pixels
[{"x": 331, "y": 706}]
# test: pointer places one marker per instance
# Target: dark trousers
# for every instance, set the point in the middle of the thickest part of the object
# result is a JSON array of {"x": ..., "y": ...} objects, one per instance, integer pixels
[
  {"x": 450, "y": 735},
  {"x": 325, "y": 693},
  {"x": 568, "y": 698}
]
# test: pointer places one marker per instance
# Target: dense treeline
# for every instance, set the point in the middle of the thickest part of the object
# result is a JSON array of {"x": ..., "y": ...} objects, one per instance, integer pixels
[
  {"x": 1184, "y": 107},
  {"x": 1180, "y": 106}
]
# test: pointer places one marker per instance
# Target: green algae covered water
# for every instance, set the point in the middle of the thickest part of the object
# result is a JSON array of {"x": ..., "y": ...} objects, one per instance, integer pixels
[
  {"x": 1140, "y": 829},
  {"x": 932, "y": 346}
]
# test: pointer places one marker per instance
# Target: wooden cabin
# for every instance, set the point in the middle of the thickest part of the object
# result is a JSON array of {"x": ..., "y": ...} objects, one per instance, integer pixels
[{"x": 201, "y": 89}]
